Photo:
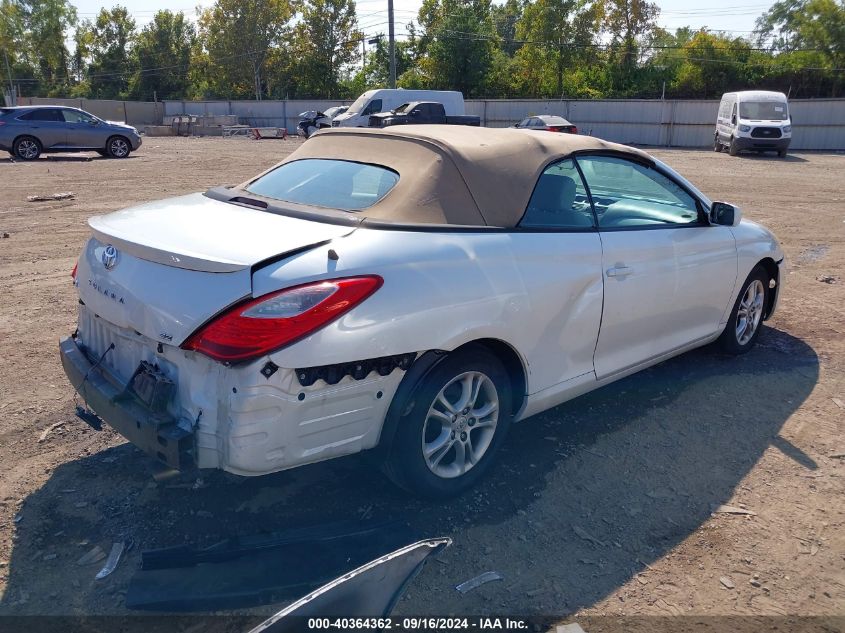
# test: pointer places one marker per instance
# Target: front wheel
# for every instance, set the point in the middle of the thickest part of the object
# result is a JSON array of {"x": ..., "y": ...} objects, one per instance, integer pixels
[
  {"x": 733, "y": 148},
  {"x": 717, "y": 146},
  {"x": 782, "y": 153},
  {"x": 459, "y": 418},
  {"x": 746, "y": 320},
  {"x": 118, "y": 147}
]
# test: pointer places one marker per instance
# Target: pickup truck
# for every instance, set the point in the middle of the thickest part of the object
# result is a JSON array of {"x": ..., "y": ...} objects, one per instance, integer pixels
[{"x": 420, "y": 112}]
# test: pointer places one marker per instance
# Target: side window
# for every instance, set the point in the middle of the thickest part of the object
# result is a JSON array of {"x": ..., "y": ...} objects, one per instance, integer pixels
[
  {"x": 75, "y": 116},
  {"x": 524, "y": 122},
  {"x": 631, "y": 195},
  {"x": 374, "y": 107},
  {"x": 43, "y": 114},
  {"x": 559, "y": 200}
]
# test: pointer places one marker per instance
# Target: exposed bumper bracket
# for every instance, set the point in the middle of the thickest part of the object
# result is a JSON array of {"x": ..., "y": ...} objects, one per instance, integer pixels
[{"x": 156, "y": 434}]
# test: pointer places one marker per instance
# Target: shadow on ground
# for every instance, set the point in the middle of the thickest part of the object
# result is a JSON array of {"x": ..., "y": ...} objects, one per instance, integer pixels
[{"x": 583, "y": 497}]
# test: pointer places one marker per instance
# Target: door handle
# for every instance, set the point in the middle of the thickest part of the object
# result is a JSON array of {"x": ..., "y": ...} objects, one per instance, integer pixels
[{"x": 619, "y": 271}]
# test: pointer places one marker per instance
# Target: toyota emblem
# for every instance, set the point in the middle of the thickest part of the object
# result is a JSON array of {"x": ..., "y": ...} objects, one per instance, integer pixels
[{"x": 109, "y": 257}]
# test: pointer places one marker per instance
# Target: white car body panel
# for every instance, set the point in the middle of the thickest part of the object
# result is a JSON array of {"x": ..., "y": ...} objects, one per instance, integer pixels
[
  {"x": 534, "y": 284},
  {"x": 674, "y": 290},
  {"x": 546, "y": 295}
]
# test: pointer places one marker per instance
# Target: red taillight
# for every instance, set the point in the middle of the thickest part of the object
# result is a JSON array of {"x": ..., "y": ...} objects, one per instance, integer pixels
[
  {"x": 552, "y": 129},
  {"x": 572, "y": 129},
  {"x": 259, "y": 326},
  {"x": 73, "y": 272}
]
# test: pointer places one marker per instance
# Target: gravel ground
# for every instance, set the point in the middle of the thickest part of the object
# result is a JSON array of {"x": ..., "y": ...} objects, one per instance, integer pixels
[{"x": 602, "y": 506}]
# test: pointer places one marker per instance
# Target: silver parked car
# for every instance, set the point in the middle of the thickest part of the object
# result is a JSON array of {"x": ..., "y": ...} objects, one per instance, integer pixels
[{"x": 26, "y": 132}]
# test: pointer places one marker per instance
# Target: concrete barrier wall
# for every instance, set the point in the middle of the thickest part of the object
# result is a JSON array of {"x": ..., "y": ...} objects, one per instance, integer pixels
[{"x": 819, "y": 123}]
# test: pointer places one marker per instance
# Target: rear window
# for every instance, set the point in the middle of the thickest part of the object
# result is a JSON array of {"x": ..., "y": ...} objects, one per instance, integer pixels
[{"x": 319, "y": 182}]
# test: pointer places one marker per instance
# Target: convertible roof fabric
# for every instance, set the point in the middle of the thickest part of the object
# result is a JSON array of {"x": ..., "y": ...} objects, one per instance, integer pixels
[{"x": 453, "y": 174}]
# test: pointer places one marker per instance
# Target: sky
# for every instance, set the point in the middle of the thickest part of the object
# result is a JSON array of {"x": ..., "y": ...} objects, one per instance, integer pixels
[{"x": 723, "y": 15}]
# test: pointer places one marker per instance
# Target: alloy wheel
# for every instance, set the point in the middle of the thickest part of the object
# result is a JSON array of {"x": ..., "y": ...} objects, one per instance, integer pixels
[
  {"x": 750, "y": 312},
  {"x": 460, "y": 424},
  {"x": 28, "y": 149},
  {"x": 119, "y": 148}
]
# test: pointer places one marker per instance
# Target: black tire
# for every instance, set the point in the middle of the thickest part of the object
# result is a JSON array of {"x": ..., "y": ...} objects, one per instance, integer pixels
[
  {"x": 407, "y": 466},
  {"x": 717, "y": 146},
  {"x": 733, "y": 148},
  {"x": 730, "y": 339},
  {"x": 782, "y": 153},
  {"x": 310, "y": 131},
  {"x": 118, "y": 147},
  {"x": 27, "y": 148}
]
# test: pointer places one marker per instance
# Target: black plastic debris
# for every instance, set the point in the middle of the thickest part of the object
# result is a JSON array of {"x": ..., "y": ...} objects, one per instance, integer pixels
[{"x": 262, "y": 569}]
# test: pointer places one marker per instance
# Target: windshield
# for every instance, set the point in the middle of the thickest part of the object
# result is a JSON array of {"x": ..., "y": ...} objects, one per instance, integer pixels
[
  {"x": 402, "y": 107},
  {"x": 334, "y": 184},
  {"x": 359, "y": 104},
  {"x": 763, "y": 110}
]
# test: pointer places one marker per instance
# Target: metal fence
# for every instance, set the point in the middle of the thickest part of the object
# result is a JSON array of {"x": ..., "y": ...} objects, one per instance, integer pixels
[{"x": 819, "y": 123}]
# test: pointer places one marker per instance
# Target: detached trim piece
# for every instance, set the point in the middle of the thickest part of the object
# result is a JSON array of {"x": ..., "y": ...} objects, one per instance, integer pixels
[{"x": 360, "y": 369}]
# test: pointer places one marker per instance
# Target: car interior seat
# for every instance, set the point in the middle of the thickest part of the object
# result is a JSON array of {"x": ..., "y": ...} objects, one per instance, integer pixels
[{"x": 551, "y": 204}]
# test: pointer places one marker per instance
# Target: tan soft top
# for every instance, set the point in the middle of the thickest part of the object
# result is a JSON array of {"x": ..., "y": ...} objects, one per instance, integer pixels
[{"x": 453, "y": 174}]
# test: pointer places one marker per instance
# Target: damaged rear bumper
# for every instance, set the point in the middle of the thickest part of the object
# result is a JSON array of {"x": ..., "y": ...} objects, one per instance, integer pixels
[{"x": 156, "y": 433}]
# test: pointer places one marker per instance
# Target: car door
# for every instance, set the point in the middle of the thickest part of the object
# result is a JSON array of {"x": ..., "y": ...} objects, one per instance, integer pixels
[
  {"x": 47, "y": 125},
  {"x": 559, "y": 254},
  {"x": 83, "y": 130},
  {"x": 668, "y": 273}
]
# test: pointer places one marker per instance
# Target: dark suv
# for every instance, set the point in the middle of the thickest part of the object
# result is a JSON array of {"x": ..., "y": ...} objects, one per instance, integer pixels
[{"x": 26, "y": 132}]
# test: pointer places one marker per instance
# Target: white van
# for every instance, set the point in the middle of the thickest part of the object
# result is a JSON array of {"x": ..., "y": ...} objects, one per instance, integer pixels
[
  {"x": 755, "y": 120},
  {"x": 387, "y": 99}
]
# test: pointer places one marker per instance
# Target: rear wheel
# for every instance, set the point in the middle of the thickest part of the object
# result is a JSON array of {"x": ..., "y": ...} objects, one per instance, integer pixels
[
  {"x": 746, "y": 320},
  {"x": 733, "y": 148},
  {"x": 782, "y": 153},
  {"x": 460, "y": 416},
  {"x": 27, "y": 148},
  {"x": 118, "y": 147}
]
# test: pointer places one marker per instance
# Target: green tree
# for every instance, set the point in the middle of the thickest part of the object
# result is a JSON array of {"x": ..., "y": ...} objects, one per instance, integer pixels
[
  {"x": 627, "y": 22},
  {"x": 811, "y": 32},
  {"x": 457, "y": 45},
  {"x": 712, "y": 65},
  {"x": 43, "y": 43},
  {"x": 12, "y": 30},
  {"x": 505, "y": 18},
  {"x": 559, "y": 37},
  {"x": 163, "y": 56},
  {"x": 326, "y": 42},
  {"x": 238, "y": 38},
  {"x": 107, "y": 43}
]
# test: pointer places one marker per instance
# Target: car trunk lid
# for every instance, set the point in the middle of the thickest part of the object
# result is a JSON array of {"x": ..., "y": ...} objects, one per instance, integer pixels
[{"x": 165, "y": 268}]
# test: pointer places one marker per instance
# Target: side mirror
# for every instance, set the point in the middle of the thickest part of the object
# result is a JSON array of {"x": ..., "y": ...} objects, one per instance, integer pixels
[{"x": 724, "y": 214}]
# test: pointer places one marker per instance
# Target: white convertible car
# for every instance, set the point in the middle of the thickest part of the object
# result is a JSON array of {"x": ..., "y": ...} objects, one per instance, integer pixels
[{"x": 412, "y": 291}]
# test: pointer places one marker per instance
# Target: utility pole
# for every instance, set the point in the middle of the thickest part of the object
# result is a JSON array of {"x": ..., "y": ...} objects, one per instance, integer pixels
[
  {"x": 11, "y": 85},
  {"x": 391, "y": 44},
  {"x": 363, "y": 53}
]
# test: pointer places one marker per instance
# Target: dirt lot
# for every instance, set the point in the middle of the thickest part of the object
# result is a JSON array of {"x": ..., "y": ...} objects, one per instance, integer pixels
[{"x": 598, "y": 507}]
